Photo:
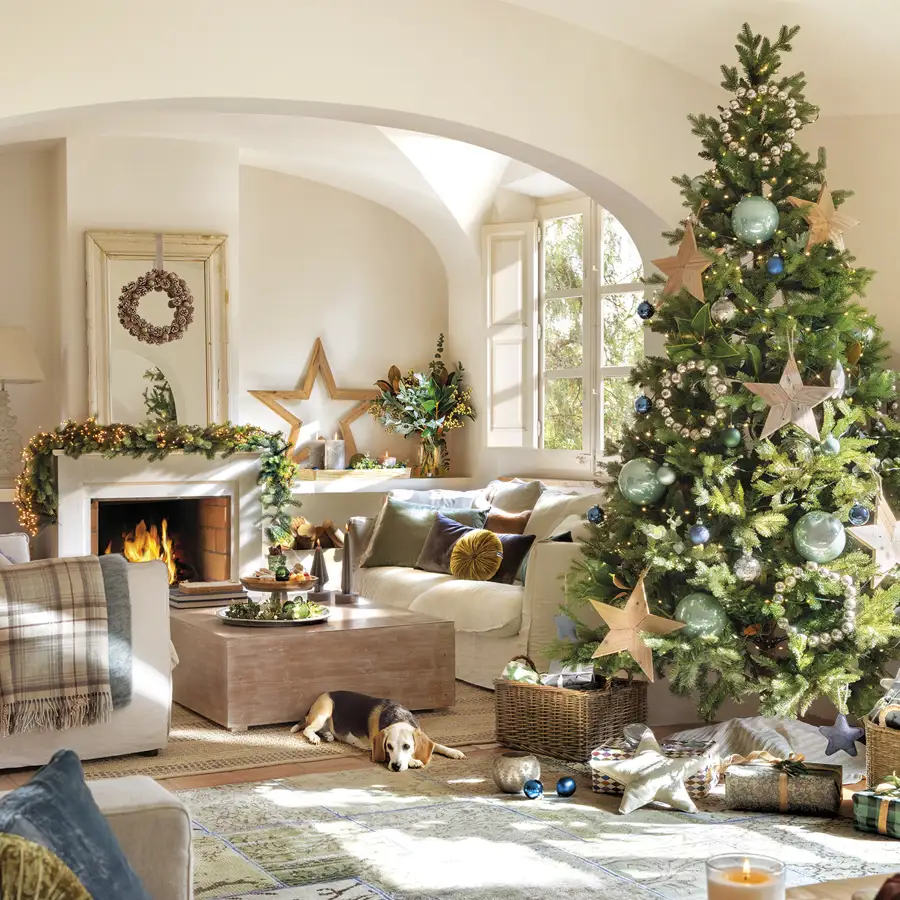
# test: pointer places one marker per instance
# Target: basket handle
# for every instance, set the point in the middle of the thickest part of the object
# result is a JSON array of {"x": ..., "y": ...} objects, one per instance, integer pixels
[
  {"x": 527, "y": 660},
  {"x": 882, "y": 713}
]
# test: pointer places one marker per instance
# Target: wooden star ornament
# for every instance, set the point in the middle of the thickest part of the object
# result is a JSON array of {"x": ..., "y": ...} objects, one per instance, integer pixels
[
  {"x": 882, "y": 538},
  {"x": 790, "y": 401},
  {"x": 626, "y": 624},
  {"x": 318, "y": 364},
  {"x": 826, "y": 223},
  {"x": 686, "y": 268}
]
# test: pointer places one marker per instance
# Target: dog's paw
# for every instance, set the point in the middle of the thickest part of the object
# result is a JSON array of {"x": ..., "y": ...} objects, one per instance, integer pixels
[
  {"x": 455, "y": 754},
  {"x": 312, "y": 737},
  {"x": 416, "y": 764},
  {"x": 328, "y": 737}
]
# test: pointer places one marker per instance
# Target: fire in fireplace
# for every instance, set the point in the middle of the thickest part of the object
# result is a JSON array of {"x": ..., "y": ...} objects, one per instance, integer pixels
[{"x": 191, "y": 535}]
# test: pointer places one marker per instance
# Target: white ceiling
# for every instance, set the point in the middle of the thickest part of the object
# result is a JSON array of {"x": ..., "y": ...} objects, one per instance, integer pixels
[{"x": 848, "y": 48}]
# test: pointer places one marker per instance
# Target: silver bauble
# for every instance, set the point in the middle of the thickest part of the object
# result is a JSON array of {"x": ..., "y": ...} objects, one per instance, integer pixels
[
  {"x": 723, "y": 311},
  {"x": 837, "y": 379},
  {"x": 747, "y": 568}
]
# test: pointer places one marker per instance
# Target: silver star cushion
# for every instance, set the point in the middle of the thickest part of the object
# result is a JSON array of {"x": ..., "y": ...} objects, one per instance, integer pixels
[{"x": 651, "y": 776}]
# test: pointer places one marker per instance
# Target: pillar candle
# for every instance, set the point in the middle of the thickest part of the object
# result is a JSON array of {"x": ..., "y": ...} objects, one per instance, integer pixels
[
  {"x": 334, "y": 455},
  {"x": 734, "y": 877},
  {"x": 317, "y": 454}
]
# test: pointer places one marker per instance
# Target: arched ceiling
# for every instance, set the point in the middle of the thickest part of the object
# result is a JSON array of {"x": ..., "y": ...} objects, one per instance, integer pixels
[{"x": 848, "y": 48}]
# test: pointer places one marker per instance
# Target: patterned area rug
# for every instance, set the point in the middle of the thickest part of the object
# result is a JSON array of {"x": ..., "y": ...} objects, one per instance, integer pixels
[
  {"x": 447, "y": 834},
  {"x": 197, "y": 746}
]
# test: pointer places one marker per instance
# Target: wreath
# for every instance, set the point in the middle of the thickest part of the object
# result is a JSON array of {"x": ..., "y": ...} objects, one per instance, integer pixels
[{"x": 180, "y": 300}]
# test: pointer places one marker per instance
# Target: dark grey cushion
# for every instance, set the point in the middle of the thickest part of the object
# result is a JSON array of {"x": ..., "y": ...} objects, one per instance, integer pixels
[{"x": 435, "y": 555}]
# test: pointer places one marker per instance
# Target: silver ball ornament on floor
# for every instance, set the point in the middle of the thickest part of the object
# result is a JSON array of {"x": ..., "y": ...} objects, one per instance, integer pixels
[
  {"x": 511, "y": 770},
  {"x": 819, "y": 536},
  {"x": 702, "y": 615},
  {"x": 754, "y": 219},
  {"x": 638, "y": 481}
]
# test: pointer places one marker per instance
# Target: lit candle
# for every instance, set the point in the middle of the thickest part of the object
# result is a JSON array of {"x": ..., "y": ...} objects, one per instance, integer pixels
[
  {"x": 386, "y": 460},
  {"x": 734, "y": 877},
  {"x": 334, "y": 454}
]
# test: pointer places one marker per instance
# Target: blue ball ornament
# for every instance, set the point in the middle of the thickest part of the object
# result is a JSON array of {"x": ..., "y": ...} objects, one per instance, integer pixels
[
  {"x": 702, "y": 615},
  {"x": 595, "y": 515},
  {"x": 819, "y": 536},
  {"x": 731, "y": 437},
  {"x": 831, "y": 446},
  {"x": 754, "y": 219},
  {"x": 699, "y": 534},
  {"x": 565, "y": 787},
  {"x": 858, "y": 514},
  {"x": 638, "y": 482},
  {"x": 643, "y": 405},
  {"x": 533, "y": 789},
  {"x": 645, "y": 310},
  {"x": 774, "y": 265}
]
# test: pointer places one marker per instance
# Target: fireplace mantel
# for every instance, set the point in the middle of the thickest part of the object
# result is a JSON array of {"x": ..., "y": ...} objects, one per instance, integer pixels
[{"x": 93, "y": 476}]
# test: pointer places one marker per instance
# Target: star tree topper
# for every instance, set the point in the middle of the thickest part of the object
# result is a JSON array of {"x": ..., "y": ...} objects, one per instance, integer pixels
[
  {"x": 826, "y": 223},
  {"x": 686, "y": 268},
  {"x": 626, "y": 625},
  {"x": 790, "y": 401},
  {"x": 882, "y": 538}
]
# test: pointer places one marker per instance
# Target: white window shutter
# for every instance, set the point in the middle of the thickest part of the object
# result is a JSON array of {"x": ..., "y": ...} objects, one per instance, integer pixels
[{"x": 510, "y": 269}]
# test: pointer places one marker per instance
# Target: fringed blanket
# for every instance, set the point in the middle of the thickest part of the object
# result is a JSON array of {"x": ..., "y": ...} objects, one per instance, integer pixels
[{"x": 54, "y": 646}]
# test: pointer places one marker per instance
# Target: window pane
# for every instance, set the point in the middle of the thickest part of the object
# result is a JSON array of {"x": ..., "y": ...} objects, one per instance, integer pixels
[
  {"x": 563, "y": 253},
  {"x": 563, "y": 334},
  {"x": 617, "y": 396},
  {"x": 563, "y": 413},
  {"x": 623, "y": 330},
  {"x": 621, "y": 260}
]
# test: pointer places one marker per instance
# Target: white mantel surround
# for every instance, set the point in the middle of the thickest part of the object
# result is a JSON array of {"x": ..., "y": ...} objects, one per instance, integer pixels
[{"x": 178, "y": 476}]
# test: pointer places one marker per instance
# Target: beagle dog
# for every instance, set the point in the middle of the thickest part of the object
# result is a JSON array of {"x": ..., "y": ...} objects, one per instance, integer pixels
[{"x": 387, "y": 729}]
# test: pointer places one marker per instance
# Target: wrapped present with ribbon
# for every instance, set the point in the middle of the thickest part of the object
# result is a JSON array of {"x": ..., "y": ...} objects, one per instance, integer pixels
[
  {"x": 878, "y": 810},
  {"x": 521, "y": 669},
  {"x": 762, "y": 782}
]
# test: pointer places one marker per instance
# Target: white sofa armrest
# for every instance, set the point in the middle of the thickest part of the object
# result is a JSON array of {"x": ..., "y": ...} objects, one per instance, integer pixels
[
  {"x": 153, "y": 827},
  {"x": 548, "y": 564}
]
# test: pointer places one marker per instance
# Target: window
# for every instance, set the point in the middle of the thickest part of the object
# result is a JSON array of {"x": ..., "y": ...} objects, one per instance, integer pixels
[{"x": 590, "y": 335}]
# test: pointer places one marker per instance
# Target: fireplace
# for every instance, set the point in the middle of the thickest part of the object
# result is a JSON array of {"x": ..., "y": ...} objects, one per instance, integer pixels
[{"x": 192, "y": 535}]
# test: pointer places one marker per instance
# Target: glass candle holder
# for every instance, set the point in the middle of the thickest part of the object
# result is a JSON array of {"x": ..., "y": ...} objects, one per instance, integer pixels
[{"x": 738, "y": 877}]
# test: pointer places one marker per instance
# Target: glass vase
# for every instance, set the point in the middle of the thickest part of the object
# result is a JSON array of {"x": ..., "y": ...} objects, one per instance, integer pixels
[{"x": 433, "y": 457}]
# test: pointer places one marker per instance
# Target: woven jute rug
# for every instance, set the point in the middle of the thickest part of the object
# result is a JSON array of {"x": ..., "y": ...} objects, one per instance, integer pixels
[{"x": 198, "y": 746}]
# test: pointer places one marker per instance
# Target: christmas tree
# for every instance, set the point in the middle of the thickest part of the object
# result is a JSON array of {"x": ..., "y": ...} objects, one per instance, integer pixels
[{"x": 748, "y": 544}]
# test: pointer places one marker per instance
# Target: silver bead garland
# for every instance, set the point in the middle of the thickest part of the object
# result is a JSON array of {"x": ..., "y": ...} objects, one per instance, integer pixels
[{"x": 689, "y": 424}]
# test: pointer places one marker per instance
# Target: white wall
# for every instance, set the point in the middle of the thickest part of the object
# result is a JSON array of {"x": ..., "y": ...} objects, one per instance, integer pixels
[{"x": 319, "y": 262}]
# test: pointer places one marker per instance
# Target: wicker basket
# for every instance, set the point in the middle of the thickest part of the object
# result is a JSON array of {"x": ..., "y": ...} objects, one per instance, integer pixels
[
  {"x": 882, "y": 752},
  {"x": 565, "y": 723}
]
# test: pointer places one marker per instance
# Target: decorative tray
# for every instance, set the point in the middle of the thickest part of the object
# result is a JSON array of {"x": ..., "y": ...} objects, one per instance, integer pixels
[
  {"x": 272, "y": 623},
  {"x": 207, "y": 587},
  {"x": 270, "y": 584}
]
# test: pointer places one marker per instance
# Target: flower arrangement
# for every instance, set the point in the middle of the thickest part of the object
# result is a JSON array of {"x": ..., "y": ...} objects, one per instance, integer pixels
[{"x": 428, "y": 404}]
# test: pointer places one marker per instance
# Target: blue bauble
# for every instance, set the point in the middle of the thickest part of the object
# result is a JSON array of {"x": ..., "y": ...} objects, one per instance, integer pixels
[
  {"x": 774, "y": 265},
  {"x": 595, "y": 515},
  {"x": 754, "y": 219},
  {"x": 565, "y": 787},
  {"x": 699, "y": 534},
  {"x": 858, "y": 514},
  {"x": 831, "y": 446},
  {"x": 731, "y": 437},
  {"x": 665, "y": 475},
  {"x": 533, "y": 789},
  {"x": 638, "y": 482},
  {"x": 702, "y": 615},
  {"x": 643, "y": 405},
  {"x": 645, "y": 310},
  {"x": 819, "y": 536}
]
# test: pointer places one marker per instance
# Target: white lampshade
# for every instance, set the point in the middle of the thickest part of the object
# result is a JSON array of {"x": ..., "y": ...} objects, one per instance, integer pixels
[{"x": 18, "y": 361}]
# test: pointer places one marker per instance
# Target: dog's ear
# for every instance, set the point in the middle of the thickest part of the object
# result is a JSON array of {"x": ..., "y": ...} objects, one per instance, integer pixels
[
  {"x": 424, "y": 747},
  {"x": 379, "y": 753}
]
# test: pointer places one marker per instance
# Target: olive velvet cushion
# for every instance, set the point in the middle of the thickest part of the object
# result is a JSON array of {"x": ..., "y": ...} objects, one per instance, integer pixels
[
  {"x": 402, "y": 529},
  {"x": 476, "y": 556},
  {"x": 56, "y": 810},
  {"x": 29, "y": 871}
]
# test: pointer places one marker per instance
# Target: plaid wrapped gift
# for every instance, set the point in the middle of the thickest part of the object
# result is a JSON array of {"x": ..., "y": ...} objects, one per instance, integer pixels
[
  {"x": 878, "y": 813},
  {"x": 786, "y": 786},
  {"x": 698, "y": 786}
]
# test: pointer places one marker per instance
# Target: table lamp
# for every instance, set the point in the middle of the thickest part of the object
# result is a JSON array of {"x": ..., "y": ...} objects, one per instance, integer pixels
[{"x": 18, "y": 365}]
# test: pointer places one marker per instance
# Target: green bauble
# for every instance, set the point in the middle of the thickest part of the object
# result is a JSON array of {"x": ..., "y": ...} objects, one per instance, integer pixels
[
  {"x": 638, "y": 482},
  {"x": 731, "y": 437},
  {"x": 819, "y": 537},
  {"x": 702, "y": 615},
  {"x": 754, "y": 219}
]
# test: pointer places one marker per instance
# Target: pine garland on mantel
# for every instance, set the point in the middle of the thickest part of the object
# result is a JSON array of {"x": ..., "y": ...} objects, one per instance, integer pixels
[{"x": 37, "y": 494}]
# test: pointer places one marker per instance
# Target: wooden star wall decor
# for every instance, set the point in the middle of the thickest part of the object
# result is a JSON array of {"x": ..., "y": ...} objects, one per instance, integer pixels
[
  {"x": 686, "y": 268},
  {"x": 626, "y": 625},
  {"x": 790, "y": 401},
  {"x": 825, "y": 222},
  {"x": 882, "y": 538},
  {"x": 318, "y": 364}
]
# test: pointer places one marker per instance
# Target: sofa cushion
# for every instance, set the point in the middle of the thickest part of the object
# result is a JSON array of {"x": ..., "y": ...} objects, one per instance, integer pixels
[
  {"x": 402, "y": 529},
  {"x": 435, "y": 555},
  {"x": 439, "y": 499},
  {"x": 475, "y": 606},
  {"x": 515, "y": 551},
  {"x": 514, "y": 496},
  {"x": 553, "y": 507},
  {"x": 56, "y": 809},
  {"x": 502, "y": 522},
  {"x": 397, "y": 586},
  {"x": 15, "y": 547},
  {"x": 477, "y": 555}
]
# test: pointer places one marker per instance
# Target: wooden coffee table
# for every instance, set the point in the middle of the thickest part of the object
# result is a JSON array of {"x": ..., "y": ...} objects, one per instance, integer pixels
[{"x": 239, "y": 677}]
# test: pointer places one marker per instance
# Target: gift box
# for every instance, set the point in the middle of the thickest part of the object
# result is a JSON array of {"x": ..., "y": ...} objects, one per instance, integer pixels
[
  {"x": 878, "y": 813},
  {"x": 698, "y": 785},
  {"x": 789, "y": 786}
]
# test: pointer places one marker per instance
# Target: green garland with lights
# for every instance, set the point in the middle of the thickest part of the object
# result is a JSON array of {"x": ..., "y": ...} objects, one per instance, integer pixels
[{"x": 37, "y": 494}]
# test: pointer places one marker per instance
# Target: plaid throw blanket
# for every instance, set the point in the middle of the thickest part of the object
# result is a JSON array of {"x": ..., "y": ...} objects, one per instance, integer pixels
[{"x": 54, "y": 654}]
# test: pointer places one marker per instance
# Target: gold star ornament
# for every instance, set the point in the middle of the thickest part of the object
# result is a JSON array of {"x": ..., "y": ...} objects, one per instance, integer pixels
[
  {"x": 628, "y": 623},
  {"x": 686, "y": 268},
  {"x": 826, "y": 223},
  {"x": 882, "y": 538},
  {"x": 790, "y": 401}
]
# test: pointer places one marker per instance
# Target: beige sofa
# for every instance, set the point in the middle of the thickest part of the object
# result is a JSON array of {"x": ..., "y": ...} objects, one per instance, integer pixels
[{"x": 494, "y": 622}]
